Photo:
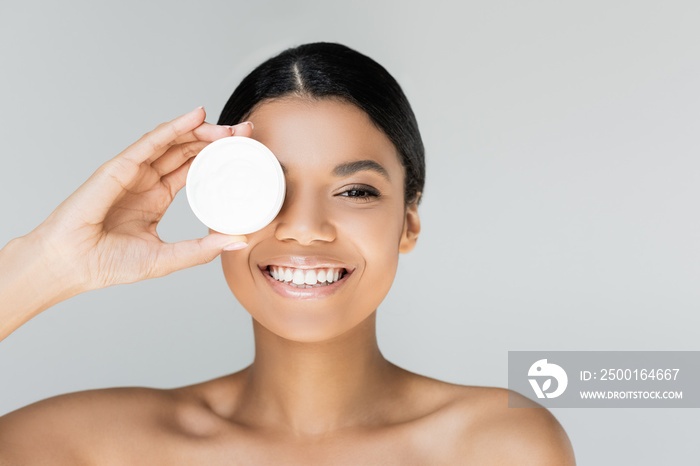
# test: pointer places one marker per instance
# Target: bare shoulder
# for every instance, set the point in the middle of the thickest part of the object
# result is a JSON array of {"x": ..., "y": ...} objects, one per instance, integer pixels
[
  {"x": 477, "y": 426},
  {"x": 73, "y": 428},
  {"x": 498, "y": 434}
]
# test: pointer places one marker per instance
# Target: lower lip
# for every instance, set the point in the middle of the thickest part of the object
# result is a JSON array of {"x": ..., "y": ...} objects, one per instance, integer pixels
[{"x": 318, "y": 292}]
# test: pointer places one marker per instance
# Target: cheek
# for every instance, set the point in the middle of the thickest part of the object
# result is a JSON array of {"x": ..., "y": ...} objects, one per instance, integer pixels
[
  {"x": 377, "y": 228},
  {"x": 375, "y": 235}
]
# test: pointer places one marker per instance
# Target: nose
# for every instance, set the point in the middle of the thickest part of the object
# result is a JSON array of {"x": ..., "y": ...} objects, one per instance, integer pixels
[{"x": 304, "y": 218}]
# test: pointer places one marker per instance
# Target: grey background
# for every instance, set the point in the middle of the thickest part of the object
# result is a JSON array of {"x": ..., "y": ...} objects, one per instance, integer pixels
[{"x": 560, "y": 212}]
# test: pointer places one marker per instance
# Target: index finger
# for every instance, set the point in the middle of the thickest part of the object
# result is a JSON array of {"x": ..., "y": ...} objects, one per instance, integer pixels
[
  {"x": 208, "y": 132},
  {"x": 154, "y": 143}
]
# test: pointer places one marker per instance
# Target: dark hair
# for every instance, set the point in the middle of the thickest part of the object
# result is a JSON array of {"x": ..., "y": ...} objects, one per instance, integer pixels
[{"x": 327, "y": 70}]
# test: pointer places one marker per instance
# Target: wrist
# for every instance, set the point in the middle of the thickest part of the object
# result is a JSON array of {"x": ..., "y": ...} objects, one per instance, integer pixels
[{"x": 50, "y": 267}]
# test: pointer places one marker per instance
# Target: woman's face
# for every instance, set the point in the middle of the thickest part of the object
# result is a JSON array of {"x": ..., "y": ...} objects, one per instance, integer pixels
[{"x": 343, "y": 216}]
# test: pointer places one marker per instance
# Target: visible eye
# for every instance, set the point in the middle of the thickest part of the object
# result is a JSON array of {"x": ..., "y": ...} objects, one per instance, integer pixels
[{"x": 360, "y": 193}]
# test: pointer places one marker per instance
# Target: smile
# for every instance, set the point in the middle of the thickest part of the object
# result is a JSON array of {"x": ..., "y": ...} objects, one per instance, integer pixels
[{"x": 306, "y": 278}]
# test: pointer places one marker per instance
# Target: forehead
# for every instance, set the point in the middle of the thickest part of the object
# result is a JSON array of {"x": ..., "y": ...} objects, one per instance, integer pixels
[{"x": 322, "y": 133}]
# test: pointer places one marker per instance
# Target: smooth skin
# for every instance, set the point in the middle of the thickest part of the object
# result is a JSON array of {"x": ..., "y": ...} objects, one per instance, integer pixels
[{"x": 319, "y": 391}]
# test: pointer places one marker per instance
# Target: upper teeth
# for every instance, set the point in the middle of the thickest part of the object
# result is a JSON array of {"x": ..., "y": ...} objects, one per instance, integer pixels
[{"x": 305, "y": 276}]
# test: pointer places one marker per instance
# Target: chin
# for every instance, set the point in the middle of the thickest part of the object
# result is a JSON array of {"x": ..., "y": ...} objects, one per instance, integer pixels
[{"x": 305, "y": 326}]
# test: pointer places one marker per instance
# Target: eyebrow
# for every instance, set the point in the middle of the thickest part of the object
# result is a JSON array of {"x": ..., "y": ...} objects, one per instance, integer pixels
[{"x": 347, "y": 169}]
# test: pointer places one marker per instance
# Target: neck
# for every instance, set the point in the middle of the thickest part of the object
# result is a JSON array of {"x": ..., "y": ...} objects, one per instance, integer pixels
[{"x": 316, "y": 388}]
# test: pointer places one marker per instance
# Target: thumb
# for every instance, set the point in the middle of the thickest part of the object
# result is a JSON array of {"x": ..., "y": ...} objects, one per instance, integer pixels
[{"x": 184, "y": 254}]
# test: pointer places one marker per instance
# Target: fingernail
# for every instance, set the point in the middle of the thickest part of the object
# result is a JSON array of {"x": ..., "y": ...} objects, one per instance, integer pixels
[
  {"x": 252, "y": 126},
  {"x": 235, "y": 246},
  {"x": 198, "y": 108},
  {"x": 231, "y": 128}
]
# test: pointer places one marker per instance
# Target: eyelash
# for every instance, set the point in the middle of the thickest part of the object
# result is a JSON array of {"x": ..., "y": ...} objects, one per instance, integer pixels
[{"x": 367, "y": 193}]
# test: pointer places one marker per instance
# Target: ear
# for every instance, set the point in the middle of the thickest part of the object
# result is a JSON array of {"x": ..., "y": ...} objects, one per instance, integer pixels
[{"x": 411, "y": 228}]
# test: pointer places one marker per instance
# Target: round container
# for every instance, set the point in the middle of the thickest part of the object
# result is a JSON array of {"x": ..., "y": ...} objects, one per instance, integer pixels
[{"x": 235, "y": 185}]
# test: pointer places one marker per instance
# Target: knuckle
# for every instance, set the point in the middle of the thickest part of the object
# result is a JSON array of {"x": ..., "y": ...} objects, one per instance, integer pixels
[
  {"x": 120, "y": 170},
  {"x": 191, "y": 149}
]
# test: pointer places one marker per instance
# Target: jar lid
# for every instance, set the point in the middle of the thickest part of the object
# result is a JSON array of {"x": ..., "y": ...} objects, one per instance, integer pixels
[{"x": 235, "y": 185}]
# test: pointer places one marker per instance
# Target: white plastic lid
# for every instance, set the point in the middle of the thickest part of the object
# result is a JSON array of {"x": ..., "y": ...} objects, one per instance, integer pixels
[{"x": 235, "y": 186}]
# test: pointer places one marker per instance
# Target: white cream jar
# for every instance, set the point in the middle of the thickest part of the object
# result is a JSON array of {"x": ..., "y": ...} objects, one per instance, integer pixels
[{"x": 235, "y": 185}]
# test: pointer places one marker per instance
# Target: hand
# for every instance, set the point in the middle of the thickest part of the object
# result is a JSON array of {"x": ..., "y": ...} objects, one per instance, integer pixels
[{"x": 105, "y": 232}]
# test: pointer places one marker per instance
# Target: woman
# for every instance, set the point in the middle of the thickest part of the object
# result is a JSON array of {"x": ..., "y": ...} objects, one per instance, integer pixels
[{"x": 319, "y": 390}]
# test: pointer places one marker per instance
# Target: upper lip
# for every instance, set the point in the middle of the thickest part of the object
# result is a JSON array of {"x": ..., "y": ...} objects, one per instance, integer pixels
[{"x": 305, "y": 263}]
